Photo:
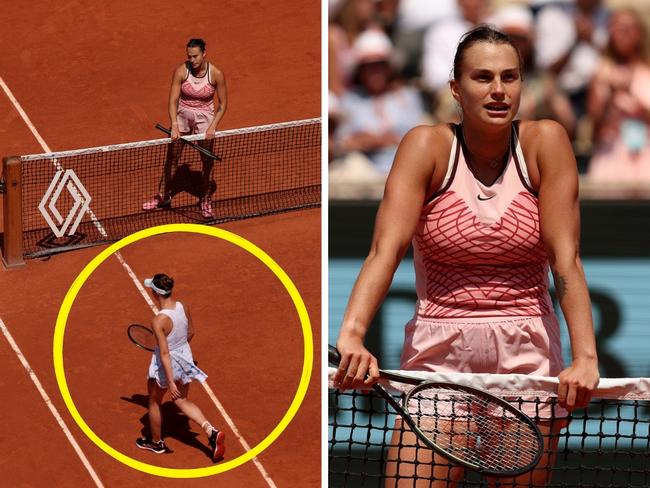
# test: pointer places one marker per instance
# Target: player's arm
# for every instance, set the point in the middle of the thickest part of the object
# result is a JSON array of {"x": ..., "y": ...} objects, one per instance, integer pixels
[
  {"x": 157, "y": 325},
  {"x": 560, "y": 229},
  {"x": 174, "y": 95},
  {"x": 190, "y": 327},
  {"x": 397, "y": 217},
  {"x": 220, "y": 98}
]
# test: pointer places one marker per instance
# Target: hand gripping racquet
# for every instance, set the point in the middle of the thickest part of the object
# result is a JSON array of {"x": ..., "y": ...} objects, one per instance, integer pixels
[
  {"x": 468, "y": 426},
  {"x": 200, "y": 149}
]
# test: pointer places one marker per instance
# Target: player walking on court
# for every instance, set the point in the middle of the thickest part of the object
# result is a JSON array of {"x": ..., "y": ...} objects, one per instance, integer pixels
[
  {"x": 173, "y": 360},
  {"x": 197, "y": 87},
  {"x": 488, "y": 205}
]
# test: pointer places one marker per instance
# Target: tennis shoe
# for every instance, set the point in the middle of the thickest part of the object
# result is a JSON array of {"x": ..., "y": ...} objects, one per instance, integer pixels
[
  {"x": 157, "y": 201},
  {"x": 206, "y": 209},
  {"x": 217, "y": 444},
  {"x": 157, "y": 447}
]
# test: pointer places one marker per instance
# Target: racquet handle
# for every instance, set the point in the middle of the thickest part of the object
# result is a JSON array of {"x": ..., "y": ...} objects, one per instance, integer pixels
[{"x": 333, "y": 355}]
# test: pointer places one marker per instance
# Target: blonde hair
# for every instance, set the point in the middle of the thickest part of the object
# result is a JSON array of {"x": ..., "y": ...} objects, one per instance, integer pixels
[{"x": 644, "y": 47}]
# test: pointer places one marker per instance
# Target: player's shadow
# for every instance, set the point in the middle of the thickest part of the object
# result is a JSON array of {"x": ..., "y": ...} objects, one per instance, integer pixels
[
  {"x": 175, "y": 424},
  {"x": 190, "y": 181}
]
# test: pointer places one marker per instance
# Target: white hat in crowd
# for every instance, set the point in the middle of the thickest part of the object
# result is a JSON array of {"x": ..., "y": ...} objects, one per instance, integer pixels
[
  {"x": 513, "y": 19},
  {"x": 371, "y": 46}
]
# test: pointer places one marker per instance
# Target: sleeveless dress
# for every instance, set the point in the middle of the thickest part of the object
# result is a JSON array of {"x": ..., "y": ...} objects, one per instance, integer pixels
[
  {"x": 196, "y": 103},
  {"x": 183, "y": 367},
  {"x": 482, "y": 276}
]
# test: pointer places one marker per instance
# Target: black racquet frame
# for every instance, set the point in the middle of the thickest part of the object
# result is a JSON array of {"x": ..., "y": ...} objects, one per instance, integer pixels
[
  {"x": 196, "y": 146},
  {"x": 142, "y": 346},
  {"x": 419, "y": 384}
]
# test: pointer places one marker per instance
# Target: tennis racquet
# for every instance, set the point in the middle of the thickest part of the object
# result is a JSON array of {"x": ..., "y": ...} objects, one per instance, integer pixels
[
  {"x": 200, "y": 149},
  {"x": 142, "y": 336},
  {"x": 467, "y": 426}
]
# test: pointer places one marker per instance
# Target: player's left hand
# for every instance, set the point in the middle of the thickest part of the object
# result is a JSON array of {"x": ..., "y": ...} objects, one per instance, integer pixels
[
  {"x": 174, "y": 391},
  {"x": 577, "y": 383},
  {"x": 209, "y": 134}
]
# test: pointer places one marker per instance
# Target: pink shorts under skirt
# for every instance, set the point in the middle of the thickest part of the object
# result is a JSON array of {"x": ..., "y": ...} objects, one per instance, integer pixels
[
  {"x": 502, "y": 345},
  {"x": 193, "y": 121}
]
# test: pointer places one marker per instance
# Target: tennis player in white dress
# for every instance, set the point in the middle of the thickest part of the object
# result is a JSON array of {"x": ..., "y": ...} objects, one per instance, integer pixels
[{"x": 172, "y": 358}]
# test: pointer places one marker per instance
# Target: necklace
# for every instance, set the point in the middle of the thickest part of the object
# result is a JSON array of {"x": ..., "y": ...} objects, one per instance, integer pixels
[{"x": 492, "y": 162}]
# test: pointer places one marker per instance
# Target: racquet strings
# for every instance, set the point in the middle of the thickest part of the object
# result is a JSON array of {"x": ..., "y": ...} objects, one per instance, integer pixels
[
  {"x": 474, "y": 428},
  {"x": 142, "y": 336}
]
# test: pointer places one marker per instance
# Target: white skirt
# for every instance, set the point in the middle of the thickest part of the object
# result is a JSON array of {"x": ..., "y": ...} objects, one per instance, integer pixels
[{"x": 183, "y": 367}]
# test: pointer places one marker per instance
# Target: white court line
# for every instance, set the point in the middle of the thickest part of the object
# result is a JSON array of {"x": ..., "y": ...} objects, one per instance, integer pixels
[
  {"x": 50, "y": 405},
  {"x": 46, "y": 148},
  {"x": 22, "y": 113},
  {"x": 136, "y": 281},
  {"x": 235, "y": 430},
  {"x": 140, "y": 288}
]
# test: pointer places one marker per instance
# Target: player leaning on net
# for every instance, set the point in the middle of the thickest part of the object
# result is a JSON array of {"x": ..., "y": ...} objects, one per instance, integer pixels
[
  {"x": 173, "y": 359},
  {"x": 197, "y": 87},
  {"x": 487, "y": 204}
]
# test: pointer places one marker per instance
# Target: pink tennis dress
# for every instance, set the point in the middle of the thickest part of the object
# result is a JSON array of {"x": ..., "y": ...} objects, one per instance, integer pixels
[
  {"x": 196, "y": 103},
  {"x": 482, "y": 276}
]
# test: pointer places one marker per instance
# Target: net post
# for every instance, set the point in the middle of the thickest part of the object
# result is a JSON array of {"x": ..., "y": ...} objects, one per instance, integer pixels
[{"x": 12, "y": 242}]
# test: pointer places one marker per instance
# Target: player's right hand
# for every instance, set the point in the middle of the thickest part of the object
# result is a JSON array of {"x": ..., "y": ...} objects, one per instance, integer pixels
[
  {"x": 175, "y": 135},
  {"x": 358, "y": 368}
]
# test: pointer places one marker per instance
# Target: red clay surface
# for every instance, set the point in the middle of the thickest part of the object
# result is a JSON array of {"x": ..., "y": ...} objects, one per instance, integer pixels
[{"x": 100, "y": 75}]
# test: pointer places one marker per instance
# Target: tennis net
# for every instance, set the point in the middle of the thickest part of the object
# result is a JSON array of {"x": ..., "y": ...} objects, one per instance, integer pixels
[
  {"x": 89, "y": 196},
  {"x": 604, "y": 445}
]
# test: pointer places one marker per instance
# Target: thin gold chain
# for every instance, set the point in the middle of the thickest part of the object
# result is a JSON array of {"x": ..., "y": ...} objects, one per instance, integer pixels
[{"x": 493, "y": 163}]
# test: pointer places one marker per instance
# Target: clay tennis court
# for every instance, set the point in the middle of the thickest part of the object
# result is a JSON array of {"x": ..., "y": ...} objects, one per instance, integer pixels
[{"x": 95, "y": 74}]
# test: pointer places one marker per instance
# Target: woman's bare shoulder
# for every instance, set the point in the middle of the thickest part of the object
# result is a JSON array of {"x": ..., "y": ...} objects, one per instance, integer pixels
[
  {"x": 428, "y": 134},
  {"x": 540, "y": 132},
  {"x": 423, "y": 154},
  {"x": 215, "y": 71},
  {"x": 180, "y": 71},
  {"x": 436, "y": 129},
  {"x": 548, "y": 142}
]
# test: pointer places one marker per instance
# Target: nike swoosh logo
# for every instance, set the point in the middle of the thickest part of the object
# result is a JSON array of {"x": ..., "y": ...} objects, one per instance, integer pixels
[{"x": 487, "y": 198}]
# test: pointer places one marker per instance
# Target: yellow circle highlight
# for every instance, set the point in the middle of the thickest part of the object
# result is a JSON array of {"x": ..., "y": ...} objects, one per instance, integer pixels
[{"x": 308, "y": 350}]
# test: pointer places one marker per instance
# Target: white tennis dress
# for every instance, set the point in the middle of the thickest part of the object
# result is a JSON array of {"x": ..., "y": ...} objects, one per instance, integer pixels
[{"x": 183, "y": 367}]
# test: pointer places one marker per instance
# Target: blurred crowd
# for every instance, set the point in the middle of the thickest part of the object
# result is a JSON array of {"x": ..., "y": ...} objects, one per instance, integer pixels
[{"x": 586, "y": 65}]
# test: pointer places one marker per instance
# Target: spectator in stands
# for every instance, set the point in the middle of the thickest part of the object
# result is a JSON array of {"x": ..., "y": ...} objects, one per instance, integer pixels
[
  {"x": 379, "y": 110},
  {"x": 349, "y": 19},
  {"x": 619, "y": 104},
  {"x": 541, "y": 98},
  {"x": 413, "y": 18},
  {"x": 569, "y": 38},
  {"x": 333, "y": 121}
]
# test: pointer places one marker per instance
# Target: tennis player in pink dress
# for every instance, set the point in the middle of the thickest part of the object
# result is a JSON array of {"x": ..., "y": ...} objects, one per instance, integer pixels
[
  {"x": 197, "y": 87},
  {"x": 488, "y": 206},
  {"x": 172, "y": 360}
]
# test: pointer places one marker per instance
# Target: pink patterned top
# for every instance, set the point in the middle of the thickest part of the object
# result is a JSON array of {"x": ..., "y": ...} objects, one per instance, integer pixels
[
  {"x": 478, "y": 249},
  {"x": 197, "y": 93}
]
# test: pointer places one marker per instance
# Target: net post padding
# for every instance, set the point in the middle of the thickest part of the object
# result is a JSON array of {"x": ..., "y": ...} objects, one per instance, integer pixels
[{"x": 12, "y": 241}]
